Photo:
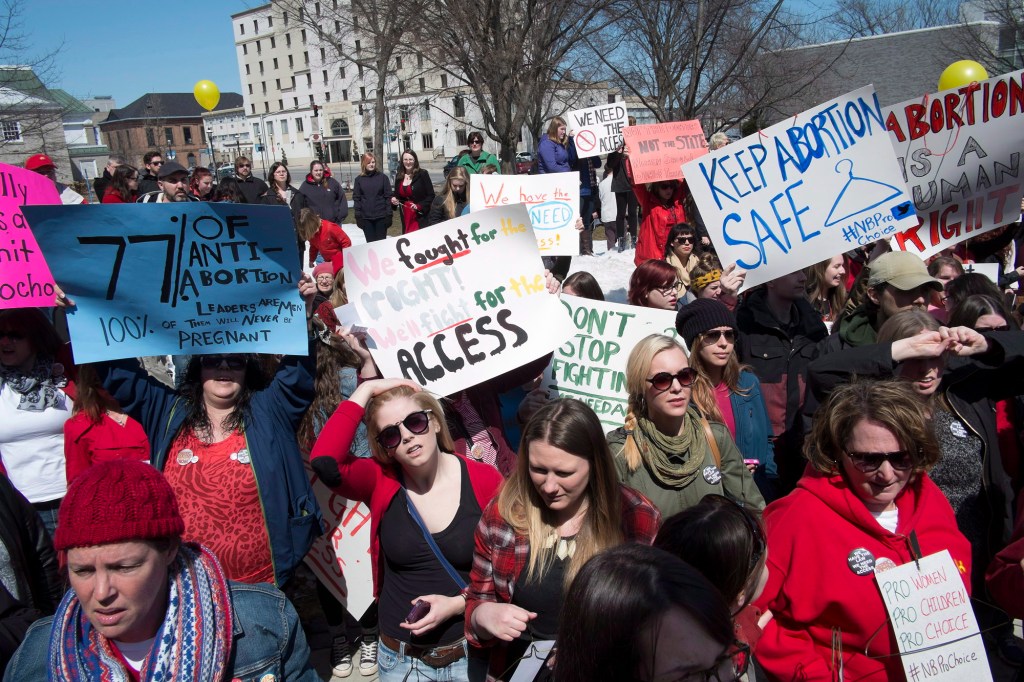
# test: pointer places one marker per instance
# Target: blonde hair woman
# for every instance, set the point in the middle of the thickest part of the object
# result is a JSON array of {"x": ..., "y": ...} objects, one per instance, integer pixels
[
  {"x": 667, "y": 449},
  {"x": 562, "y": 505},
  {"x": 453, "y": 198},
  {"x": 371, "y": 198}
]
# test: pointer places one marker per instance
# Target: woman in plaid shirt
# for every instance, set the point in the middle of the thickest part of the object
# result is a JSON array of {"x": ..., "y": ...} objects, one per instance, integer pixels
[{"x": 562, "y": 505}]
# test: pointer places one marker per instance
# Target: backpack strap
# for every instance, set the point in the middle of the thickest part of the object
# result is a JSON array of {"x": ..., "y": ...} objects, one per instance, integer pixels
[{"x": 712, "y": 443}]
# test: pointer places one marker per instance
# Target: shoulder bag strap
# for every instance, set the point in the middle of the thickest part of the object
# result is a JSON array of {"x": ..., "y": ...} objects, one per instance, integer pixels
[
  {"x": 452, "y": 573},
  {"x": 712, "y": 443}
]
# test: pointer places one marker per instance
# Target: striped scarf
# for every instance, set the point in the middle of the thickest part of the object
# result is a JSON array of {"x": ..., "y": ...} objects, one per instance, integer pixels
[{"x": 193, "y": 643}]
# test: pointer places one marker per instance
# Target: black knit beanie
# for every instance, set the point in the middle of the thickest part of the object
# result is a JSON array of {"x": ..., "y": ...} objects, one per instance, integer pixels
[{"x": 698, "y": 316}]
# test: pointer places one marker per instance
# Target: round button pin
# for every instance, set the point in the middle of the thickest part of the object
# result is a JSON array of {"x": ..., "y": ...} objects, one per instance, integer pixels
[
  {"x": 712, "y": 475},
  {"x": 861, "y": 561}
]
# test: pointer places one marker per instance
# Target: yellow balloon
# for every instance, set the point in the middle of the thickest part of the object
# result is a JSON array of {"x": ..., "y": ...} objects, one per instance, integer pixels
[
  {"x": 961, "y": 73},
  {"x": 207, "y": 94}
]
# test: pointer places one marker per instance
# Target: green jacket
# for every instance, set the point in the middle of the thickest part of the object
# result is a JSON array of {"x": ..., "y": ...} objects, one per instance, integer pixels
[
  {"x": 477, "y": 166},
  {"x": 734, "y": 480}
]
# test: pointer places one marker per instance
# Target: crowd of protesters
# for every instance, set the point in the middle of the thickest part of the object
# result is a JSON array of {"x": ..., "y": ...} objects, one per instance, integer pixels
[{"x": 869, "y": 407}]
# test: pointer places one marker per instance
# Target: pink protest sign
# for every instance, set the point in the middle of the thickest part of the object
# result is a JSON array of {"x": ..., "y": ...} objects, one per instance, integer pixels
[
  {"x": 657, "y": 151},
  {"x": 25, "y": 280}
]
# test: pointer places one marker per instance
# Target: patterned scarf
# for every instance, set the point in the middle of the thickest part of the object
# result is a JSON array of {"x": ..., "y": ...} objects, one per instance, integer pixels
[
  {"x": 193, "y": 643},
  {"x": 673, "y": 460},
  {"x": 38, "y": 388}
]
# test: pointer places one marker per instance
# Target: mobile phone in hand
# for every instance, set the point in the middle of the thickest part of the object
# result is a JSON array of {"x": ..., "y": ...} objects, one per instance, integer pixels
[{"x": 419, "y": 610}]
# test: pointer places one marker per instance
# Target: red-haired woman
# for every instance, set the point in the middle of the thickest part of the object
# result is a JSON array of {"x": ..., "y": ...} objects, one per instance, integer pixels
[
  {"x": 654, "y": 284},
  {"x": 201, "y": 184}
]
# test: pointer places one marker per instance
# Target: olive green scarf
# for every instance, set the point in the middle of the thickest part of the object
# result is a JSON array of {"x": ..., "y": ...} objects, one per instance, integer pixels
[{"x": 673, "y": 460}]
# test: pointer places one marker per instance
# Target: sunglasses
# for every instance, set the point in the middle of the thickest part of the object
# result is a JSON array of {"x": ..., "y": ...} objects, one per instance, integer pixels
[
  {"x": 683, "y": 240},
  {"x": 214, "y": 361},
  {"x": 244, "y": 165},
  {"x": 661, "y": 187},
  {"x": 1000, "y": 328},
  {"x": 869, "y": 462},
  {"x": 156, "y": 163},
  {"x": 662, "y": 381},
  {"x": 715, "y": 335},
  {"x": 415, "y": 423},
  {"x": 13, "y": 336}
]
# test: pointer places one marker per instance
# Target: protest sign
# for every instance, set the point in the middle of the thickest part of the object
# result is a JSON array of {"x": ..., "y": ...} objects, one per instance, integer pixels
[
  {"x": 553, "y": 202},
  {"x": 340, "y": 558},
  {"x": 658, "y": 151},
  {"x": 175, "y": 279},
  {"x": 990, "y": 270},
  {"x": 960, "y": 154},
  {"x": 597, "y": 130},
  {"x": 931, "y": 615},
  {"x": 25, "y": 280},
  {"x": 591, "y": 366},
  {"x": 457, "y": 304},
  {"x": 803, "y": 190}
]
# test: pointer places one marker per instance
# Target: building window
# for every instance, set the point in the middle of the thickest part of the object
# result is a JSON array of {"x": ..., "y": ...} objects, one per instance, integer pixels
[
  {"x": 275, "y": 63},
  {"x": 291, "y": 64},
  {"x": 266, "y": 107},
  {"x": 248, "y": 72},
  {"x": 256, "y": 130},
  {"x": 362, "y": 92},
  {"x": 270, "y": 22},
  {"x": 280, "y": 105},
  {"x": 245, "y": 48},
  {"x": 419, "y": 60},
  {"x": 252, "y": 108},
  {"x": 259, "y": 48},
  {"x": 250, "y": 88},
  {"x": 460, "y": 137},
  {"x": 263, "y": 84},
  {"x": 284, "y": 126},
  {"x": 337, "y": 27},
  {"x": 398, "y": 62},
  {"x": 323, "y": 55},
  {"x": 444, "y": 80},
  {"x": 359, "y": 69},
  {"x": 425, "y": 110},
  {"x": 309, "y": 80},
  {"x": 277, "y": 82},
  {"x": 311, "y": 99},
  {"x": 186, "y": 133},
  {"x": 423, "y": 85},
  {"x": 460, "y": 106},
  {"x": 284, "y": 18},
  {"x": 326, "y": 80},
  {"x": 270, "y": 128},
  {"x": 428, "y": 140},
  {"x": 255, "y": 26},
  {"x": 316, "y": 6},
  {"x": 288, "y": 39},
  {"x": 12, "y": 131},
  {"x": 401, "y": 88},
  {"x": 305, "y": 57},
  {"x": 341, "y": 72},
  {"x": 261, "y": 68},
  {"x": 169, "y": 136},
  {"x": 368, "y": 144},
  {"x": 302, "y": 34},
  {"x": 150, "y": 137},
  {"x": 293, "y": 82},
  {"x": 403, "y": 116},
  {"x": 299, "y": 125},
  {"x": 241, "y": 29},
  {"x": 327, "y": 96},
  {"x": 359, "y": 46},
  {"x": 295, "y": 102},
  {"x": 344, "y": 95},
  {"x": 339, "y": 128}
]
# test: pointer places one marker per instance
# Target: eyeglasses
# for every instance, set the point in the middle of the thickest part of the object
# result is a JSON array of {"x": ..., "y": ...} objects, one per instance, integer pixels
[
  {"x": 666, "y": 290},
  {"x": 233, "y": 362},
  {"x": 156, "y": 163},
  {"x": 416, "y": 423},
  {"x": 869, "y": 462},
  {"x": 683, "y": 240},
  {"x": 713, "y": 336},
  {"x": 244, "y": 165},
  {"x": 662, "y": 381},
  {"x": 13, "y": 336},
  {"x": 728, "y": 667},
  {"x": 1000, "y": 328}
]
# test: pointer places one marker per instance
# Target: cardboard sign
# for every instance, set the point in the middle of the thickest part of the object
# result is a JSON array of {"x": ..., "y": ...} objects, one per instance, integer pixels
[
  {"x": 591, "y": 366},
  {"x": 931, "y": 615},
  {"x": 658, "y": 151},
  {"x": 25, "y": 280},
  {"x": 553, "y": 202},
  {"x": 597, "y": 130},
  {"x": 803, "y": 190},
  {"x": 457, "y": 304},
  {"x": 960, "y": 153},
  {"x": 340, "y": 558},
  {"x": 175, "y": 278}
]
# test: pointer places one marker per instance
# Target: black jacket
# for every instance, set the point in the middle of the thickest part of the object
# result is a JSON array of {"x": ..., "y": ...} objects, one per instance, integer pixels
[
  {"x": 371, "y": 196},
  {"x": 100, "y": 184},
  {"x": 329, "y": 202},
  {"x": 779, "y": 357},
  {"x": 422, "y": 196},
  {"x": 252, "y": 189},
  {"x": 437, "y": 212},
  {"x": 147, "y": 184},
  {"x": 971, "y": 385}
]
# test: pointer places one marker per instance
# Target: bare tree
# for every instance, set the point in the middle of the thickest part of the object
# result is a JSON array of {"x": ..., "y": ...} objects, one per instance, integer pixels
[
  {"x": 511, "y": 54},
  {"x": 707, "y": 59},
  {"x": 994, "y": 34},
  {"x": 863, "y": 18}
]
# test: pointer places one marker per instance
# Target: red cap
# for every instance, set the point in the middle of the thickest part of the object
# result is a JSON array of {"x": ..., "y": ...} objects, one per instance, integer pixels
[{"x": 39, "y": 161}]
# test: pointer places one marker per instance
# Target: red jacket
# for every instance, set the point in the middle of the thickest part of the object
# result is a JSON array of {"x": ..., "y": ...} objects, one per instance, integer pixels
[
  {"x": 329, "y": 240},
  {"x": 112, "y": 197},
  {"x": 87, "y": 442},
  {"x": 369, "y": 481},
  {"x": 658, "y": 221},
  {"x": 812, "y": 590},
  {"x": 1005, "y": 576}
]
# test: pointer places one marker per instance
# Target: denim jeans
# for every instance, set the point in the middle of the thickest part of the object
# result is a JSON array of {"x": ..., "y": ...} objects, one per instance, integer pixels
[
  {"x": 395, "y": 666},
  {"x": 49, "y": 517}
]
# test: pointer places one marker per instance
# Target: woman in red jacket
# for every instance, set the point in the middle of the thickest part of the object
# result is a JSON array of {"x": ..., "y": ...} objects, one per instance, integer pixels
[
  {"x": 123, "y": 187},
  {"x": 413, "y": 482},
  {"x": 868, "y": 495},
  {"x": 324, "y": 237}
]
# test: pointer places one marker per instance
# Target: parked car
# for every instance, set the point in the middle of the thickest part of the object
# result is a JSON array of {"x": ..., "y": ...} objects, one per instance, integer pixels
[{"x": 524, "y": 162}]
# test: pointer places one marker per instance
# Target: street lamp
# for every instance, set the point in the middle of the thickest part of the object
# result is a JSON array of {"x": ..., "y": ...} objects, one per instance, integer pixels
[
  {"x": 209, "y": 141},
  {"x": 238, "y": 144}
]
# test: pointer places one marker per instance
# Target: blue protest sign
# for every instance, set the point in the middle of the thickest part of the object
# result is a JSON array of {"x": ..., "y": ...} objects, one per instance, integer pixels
[{"x": 181, "y": 278}]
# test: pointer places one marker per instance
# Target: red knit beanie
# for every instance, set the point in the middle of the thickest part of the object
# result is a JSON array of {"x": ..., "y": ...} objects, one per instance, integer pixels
[{"x": 117, "y": 502}]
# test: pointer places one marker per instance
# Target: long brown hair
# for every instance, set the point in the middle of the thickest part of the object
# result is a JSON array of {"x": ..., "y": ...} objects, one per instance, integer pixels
[
  {"x": 331, "y": 358},
  {"x": 817, "y": 290},
  {"x": 553, "y": 127},
  {"x": 364, "y": 160},
  {"x": 400, "y": 175},
  {"x": 571, "y": 426},
  {"x": 90, "y": 397},
  {"x": 702, "y": 392},
  {"x": 457, "y": 173}
]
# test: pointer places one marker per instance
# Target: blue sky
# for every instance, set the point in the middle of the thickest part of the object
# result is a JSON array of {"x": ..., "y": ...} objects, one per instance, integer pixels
[{"x": 127, "y": 48}]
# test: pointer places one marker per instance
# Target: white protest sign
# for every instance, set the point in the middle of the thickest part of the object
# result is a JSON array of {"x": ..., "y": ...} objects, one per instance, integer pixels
[
  {"x": 457, "y": 304},
  {"x": 597, "y": 130},
  {"x": 803, "y": 190},
  {"x": 591, "y": 366},
  {"x": 340, "y": 558},
  {"x": 960, "y": 153},
  {"x": 553, "y": 202},
  {"x": 931, "y": 615},
  {"x": 990, "y": 270}
]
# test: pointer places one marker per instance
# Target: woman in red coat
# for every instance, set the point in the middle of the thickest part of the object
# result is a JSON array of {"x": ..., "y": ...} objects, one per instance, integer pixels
[
  {"x": 123, "y": 187},
  {"x": 867, "y": 493},
  {"x": 324, "y": 237},
  {"x": 412, "y": 473}
]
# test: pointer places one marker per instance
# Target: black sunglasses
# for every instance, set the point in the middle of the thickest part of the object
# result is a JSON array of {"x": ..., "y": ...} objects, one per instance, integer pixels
[
  {"x": 244, "y": 165},
  {"x": 13, "y": 336},
  {"x": 869, "y": 462},
  {"x": 713, "y": 336},
  {"x": 1000, "y": 328},
  {"x": 683, "y": 240},
  {"x": 662, "y": 381},
  {"x": 214, "y": 361},
  {"x": 416, "y": 423},
  {"x": 156, "y": 163}
]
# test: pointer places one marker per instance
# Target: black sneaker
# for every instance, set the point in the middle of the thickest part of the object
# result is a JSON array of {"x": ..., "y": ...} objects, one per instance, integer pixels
[{"x": 341, "y": 657}]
